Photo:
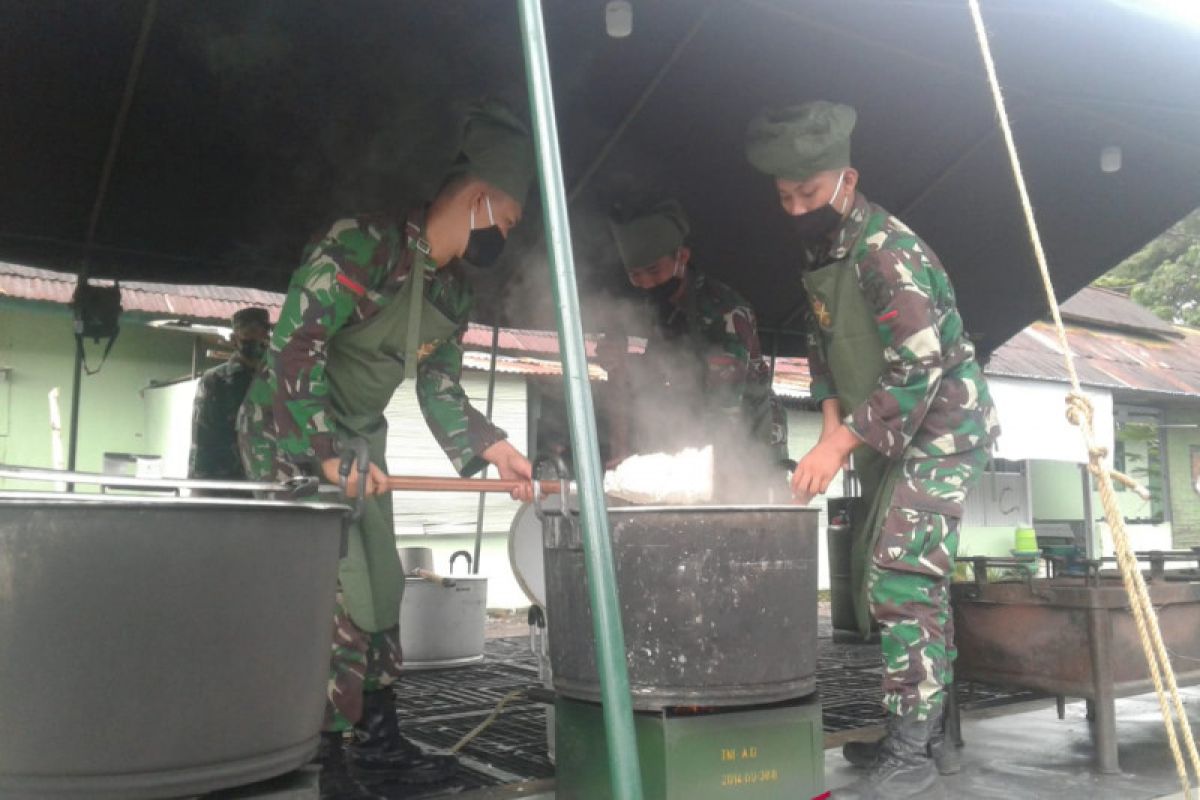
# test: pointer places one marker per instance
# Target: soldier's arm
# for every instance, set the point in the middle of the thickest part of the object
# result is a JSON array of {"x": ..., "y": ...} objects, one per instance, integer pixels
[
  {"x": 339, "y": 269},
  {"x": 463, "y": 433},
  {"x": 894, "y": 282},
  {"x": 727, "y": 363}
]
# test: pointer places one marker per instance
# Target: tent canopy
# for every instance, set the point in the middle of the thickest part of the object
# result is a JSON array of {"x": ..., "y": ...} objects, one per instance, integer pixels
[{"x": 255, "y": 122}]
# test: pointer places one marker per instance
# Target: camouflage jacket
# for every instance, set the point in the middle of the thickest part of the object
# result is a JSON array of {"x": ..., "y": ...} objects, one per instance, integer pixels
[
  {"x": 720, "y": 341},
  {"x": 932, "y": 395},
  {"x": 219, "y": 394},
  {"x": 349, "y": 274}
]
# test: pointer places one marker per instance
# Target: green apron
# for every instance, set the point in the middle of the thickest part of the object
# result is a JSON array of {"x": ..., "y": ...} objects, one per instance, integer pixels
[
  {"x": 854, "y": 353},
  {"x": 365, "y": 366}
]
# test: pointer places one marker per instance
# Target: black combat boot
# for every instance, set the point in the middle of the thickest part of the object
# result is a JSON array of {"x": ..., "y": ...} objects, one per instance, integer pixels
[
  {"x": 903, "y": 768},
  {"x": 945, "y": 754},
  {"x": 335, "y": 780},
  {"x": 379, "y": 754}
]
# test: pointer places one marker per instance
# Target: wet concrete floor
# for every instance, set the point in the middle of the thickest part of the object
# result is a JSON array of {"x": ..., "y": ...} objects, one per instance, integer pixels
[{"x": 1024, "y": 751}]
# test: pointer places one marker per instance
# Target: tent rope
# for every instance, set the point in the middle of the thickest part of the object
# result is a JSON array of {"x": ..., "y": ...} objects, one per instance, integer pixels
[{"x": 1081, "y": 414}]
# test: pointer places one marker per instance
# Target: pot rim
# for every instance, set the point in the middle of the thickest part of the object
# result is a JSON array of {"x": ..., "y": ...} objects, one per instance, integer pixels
[
  {"x": 132, "y": 501},
  {"x": 701, "y": 509}
]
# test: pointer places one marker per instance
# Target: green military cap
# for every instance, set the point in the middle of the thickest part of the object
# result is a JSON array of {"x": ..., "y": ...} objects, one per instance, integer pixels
[
  {"x": 496, "y": 148},
  {"x": 644, "y": 237},
  {"x": 797, "y": 142},
  {"x": 251, "y": 316}
]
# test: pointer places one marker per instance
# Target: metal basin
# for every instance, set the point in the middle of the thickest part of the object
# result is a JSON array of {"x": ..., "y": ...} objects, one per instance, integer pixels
[
  {"x": 718, "y": 604},
  {"x": 161, "y": 647}
]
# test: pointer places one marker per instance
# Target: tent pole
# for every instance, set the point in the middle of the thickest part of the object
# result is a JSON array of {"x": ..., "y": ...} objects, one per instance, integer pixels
[
  {"x": 73, "y": 439},
  {"x": 491, "y": 397},
  {"x": 623, "y": 763}
]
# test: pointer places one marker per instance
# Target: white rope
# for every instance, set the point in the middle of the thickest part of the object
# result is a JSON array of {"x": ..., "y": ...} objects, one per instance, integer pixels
[{"x": 1080, "y": 413}]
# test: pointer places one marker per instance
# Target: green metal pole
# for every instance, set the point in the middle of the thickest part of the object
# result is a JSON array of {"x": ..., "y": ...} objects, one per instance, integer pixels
[{"x": 597, "y": 545}]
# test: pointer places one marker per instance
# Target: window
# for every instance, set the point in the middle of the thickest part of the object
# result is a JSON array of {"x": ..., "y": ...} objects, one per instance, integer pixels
[{"x": 1138, "y": 453}]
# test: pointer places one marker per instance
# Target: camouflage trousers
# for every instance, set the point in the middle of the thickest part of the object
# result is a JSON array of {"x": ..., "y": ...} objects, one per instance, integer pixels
[
  {"x": 908, "y": 584},
  {"x": 361, "y": 662}
]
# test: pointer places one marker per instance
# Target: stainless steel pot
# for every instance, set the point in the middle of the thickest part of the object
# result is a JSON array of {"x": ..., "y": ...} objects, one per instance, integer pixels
[
  {"x": 442, "y": 621},
  {"x": 718, "y": 604},
  {"x": 157, "y": 646}
]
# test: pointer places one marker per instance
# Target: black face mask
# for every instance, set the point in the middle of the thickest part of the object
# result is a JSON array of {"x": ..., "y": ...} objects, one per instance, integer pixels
[
  {"x": 820, "y": 223},
  {"x": 817, "y": 225},
  {"x": 663, "y": 293},
  {"x": 484, "y": 245},
  {"x": 252, "y": 349}
]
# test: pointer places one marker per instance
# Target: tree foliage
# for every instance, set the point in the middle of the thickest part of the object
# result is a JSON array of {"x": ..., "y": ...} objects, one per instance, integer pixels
[{"x": 1164, "y": 276}]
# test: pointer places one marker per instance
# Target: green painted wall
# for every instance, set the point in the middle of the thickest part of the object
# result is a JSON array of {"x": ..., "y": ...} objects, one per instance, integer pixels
[
  {"x": 37, "y": 353},
  {"x": 1185, "y": 501}
]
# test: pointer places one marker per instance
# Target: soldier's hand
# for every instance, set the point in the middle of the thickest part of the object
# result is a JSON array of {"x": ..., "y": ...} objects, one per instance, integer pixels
[
  {"x": 815, "y": 471},
  {"x": 512, "y": 466},
  {"x": 376, "y": 478}
]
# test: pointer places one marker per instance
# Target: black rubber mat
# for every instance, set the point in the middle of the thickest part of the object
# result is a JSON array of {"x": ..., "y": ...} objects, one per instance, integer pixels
[{"x": 438, "y": 707}]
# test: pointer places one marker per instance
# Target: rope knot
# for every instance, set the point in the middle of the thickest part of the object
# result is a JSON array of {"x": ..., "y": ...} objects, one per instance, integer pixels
[{"x": 1080, "y": 410}]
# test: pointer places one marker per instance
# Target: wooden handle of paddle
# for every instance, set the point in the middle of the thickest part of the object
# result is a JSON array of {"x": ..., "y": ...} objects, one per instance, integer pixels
[{"x": 420, "y": 483}]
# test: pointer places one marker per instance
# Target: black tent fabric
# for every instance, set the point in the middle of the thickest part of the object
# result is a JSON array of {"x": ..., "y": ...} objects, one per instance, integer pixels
[{"x": 255, "y": 122}]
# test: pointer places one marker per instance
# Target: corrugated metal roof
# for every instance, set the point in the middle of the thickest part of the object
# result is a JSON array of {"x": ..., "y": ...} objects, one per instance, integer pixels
[
  {"x": 193, "y": 303},
  {"x": 1104, "y": 359},
  {"x": 1109, "y": 309},
  {"x": 217, "y": 304}
]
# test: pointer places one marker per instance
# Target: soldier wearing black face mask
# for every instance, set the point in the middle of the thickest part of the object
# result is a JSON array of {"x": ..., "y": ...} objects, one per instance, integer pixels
[
  {"x": 219, "y": 395},
  {"x": 703, "y": 378},
  {"x": 381, "y": 300}
]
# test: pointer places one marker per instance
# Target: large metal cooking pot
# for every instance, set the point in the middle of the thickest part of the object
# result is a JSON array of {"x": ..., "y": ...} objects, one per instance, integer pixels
[
  {"x": 156, "y": 646},
  {"x": 718, "y": 603},
  {"x": 443, "y": 620}
]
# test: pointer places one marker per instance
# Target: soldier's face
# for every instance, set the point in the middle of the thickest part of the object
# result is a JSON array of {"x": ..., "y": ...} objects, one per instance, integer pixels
[
  {"x": 505, "y": 211},
  {"x": 660, "y": 271},
  {"x": 801, "y": 197},
  {"x": 251, "y": 333}
]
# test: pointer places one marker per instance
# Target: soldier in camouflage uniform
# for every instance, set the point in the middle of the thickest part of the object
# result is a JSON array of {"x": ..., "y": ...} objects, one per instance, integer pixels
[
  {"x": 219, "y": 395},
  {"x": 379, "y": 299},
  {"x": 899, "y": 386},
  {"x": 703, "y": 361}
]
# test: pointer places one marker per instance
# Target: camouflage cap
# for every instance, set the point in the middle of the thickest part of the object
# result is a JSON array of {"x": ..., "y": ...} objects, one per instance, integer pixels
[
  {"x": 797, "y": 142},
  {"x": 251, "y": 316},
  {"x": 497, "y": 149},
  {"x": 643, "y": 238}
]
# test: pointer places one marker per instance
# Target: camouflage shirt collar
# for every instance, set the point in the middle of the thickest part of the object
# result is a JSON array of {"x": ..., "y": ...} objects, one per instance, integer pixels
[{"x": 844, "y": 237}]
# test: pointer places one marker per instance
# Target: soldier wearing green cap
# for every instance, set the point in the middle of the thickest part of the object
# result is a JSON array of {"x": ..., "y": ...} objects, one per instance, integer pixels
[
  {"x": 703, "y": 363},
  {"x": 379, "y": 299},
  {"x": 900, "y": 388},
  {"x": 219, "y": 395}
]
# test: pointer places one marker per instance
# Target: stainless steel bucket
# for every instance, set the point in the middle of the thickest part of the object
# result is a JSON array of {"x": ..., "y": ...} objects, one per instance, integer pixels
[
  {"x": 718, "y": 604},
  {"x": 158, "y": 646}
]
